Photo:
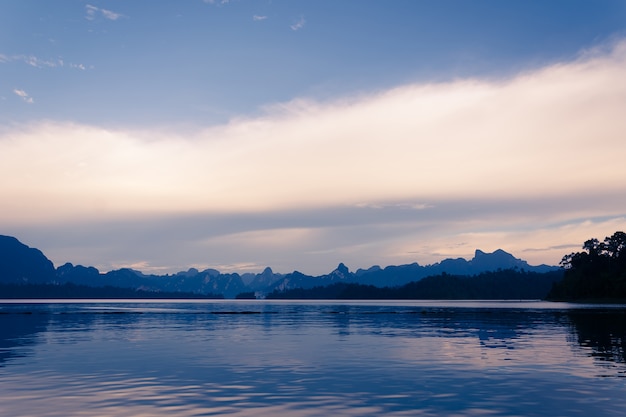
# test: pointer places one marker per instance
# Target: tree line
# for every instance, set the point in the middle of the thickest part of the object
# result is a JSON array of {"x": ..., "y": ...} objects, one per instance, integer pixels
[
  {"x": 598, "y": 272},
  {"x": 497, "y": 285}
]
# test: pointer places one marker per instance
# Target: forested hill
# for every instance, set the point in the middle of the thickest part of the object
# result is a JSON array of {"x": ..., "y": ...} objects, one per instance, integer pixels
[{"x": 498, "y": 285}]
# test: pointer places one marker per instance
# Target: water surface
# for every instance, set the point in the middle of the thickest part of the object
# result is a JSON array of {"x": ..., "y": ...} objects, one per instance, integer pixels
[{"x": 268, "y": 358}]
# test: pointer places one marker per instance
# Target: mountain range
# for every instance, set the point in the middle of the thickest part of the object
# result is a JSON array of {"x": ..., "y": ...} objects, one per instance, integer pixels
[{"x": 20, "y": 264}]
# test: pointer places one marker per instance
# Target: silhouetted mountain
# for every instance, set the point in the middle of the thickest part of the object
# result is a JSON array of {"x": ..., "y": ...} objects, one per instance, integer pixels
[
  {"x": 264, "y": 279},
  {"x": 299, "y": 280},
  {"x": 482, "y": 262},
  {"x": 341, "y": 273},
  {"x": 496, "y": 285},
  {"x": 393, "y": 276},
  {"x": 78, "y": 274},
  {"x": 22, "y": 265},
  {"x": 208, "y": 281},
  {"x": 360, "y": 272}
]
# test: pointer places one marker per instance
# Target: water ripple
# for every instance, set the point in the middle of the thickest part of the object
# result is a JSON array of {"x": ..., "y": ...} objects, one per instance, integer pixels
[{"x": 310, "y": 359}]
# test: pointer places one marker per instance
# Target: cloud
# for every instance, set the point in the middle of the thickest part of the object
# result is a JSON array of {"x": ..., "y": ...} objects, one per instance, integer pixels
[
  {"x": 315, "y": 241},
  {"x": 218, "y": 2},
  {"x": 24, "y": 95},
  {"x": 108, "y": 14},
  {"x": 258, "y": 18},
  {"x": 92, "y": 12},
  {"x": 557, "y": 130},
  {"x": 421, "y": 171},
  {"x": 37, "y": 62},
  {"x": 299, "y": 24}
]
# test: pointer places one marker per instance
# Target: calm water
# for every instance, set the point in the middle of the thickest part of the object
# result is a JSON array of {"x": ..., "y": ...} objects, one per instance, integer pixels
[{"x": 261, "y": 358}]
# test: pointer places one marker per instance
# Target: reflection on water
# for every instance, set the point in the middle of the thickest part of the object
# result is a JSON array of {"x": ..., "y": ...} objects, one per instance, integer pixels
[
  {"x": 602, "y": 334},
  {"x": 252, "y": 358}
]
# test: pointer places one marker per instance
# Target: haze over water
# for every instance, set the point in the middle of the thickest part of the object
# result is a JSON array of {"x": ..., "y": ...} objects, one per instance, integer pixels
[{"x": 295, "y": 358}]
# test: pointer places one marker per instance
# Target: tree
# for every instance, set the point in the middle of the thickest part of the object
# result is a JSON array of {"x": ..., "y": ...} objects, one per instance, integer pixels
[
  {"x": 615, "y": 246},
  {"x": 599, "y": 272}
]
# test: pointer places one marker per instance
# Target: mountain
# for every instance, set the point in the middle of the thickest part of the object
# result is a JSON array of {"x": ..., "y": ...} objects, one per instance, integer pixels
[
  {"x": 78, "y": 274},
  {"x": 503, "y": 284},
  {"x": 398, "y": 275},
  {"x": 208, "y": 281},
  {"x": 483, "y": 262},
  {"x": 20, "y": 264},
  {"x": 263, "y": 280}
]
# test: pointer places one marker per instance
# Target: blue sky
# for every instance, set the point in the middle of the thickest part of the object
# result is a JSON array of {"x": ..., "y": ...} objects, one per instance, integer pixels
[
  {"x": 136, "y": 63},
  {"x": 299, "y": 134}
]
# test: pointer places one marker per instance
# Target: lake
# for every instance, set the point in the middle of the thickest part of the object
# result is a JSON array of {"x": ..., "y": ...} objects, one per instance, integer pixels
[{"x": 311, "y": 358}]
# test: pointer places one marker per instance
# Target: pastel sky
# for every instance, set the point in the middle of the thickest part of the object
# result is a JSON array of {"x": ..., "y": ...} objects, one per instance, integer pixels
[{"x": 299, "y": 134}]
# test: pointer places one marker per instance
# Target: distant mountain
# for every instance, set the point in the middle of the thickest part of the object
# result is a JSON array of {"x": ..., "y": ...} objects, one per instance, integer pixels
[
  {"x": 394, "y": 276},
  {"x": 20, "y": 264},
  {"x": 497, "y": 285},
  {"x": 483, "y": 262},
  {"x": 263, "y": 280},
  {"x": 78, "y": 274},
  {"x": 209, "y": 281}
]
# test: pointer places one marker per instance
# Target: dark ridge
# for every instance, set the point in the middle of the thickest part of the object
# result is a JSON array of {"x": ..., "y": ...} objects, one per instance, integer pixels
[
  {"x": 597, "y": 273},
  {"x": 509, "y": 284}
]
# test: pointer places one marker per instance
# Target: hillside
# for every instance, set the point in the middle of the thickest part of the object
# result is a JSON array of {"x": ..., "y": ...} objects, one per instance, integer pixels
[{"x": 20, "y": 264}]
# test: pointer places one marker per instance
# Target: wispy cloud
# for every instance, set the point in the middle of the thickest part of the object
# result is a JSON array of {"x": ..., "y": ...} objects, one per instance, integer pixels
[
  {"x": 535, "y": 134},
  {"x": 24, "y": 95},
  {"x": 403, "y": 173},
  {"x": 78, "y": 66},
  {"x": 299, "y": 24},
  {"x": 217, "y": 2},
  {"x": 92, "y": 12},
  {"x": 258, "y": 18},
  {"x": 108, "y": 14},
  {"x": 37, "y": 62},
  {"x": 399, "y": 206}
]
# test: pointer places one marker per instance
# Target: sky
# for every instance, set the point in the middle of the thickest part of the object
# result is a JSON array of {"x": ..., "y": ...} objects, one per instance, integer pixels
[{"x": 296, "y": 134}]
